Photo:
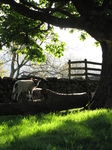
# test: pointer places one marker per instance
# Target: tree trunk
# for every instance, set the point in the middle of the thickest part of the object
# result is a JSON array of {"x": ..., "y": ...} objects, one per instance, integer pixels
[
  {"x": 12, "y": 65},
  {"x": 18, "y": 72},
  {"x": 103, "y": 95}
]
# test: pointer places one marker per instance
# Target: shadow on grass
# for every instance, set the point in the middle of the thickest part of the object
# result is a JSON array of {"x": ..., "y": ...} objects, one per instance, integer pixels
[
  {"x": 10, "y": 120},
  {"x": 92, "y": 132}
]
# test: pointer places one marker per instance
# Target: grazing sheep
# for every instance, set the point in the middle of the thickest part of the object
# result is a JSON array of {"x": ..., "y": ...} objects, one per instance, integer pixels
[{"x": 24, "y": 86}]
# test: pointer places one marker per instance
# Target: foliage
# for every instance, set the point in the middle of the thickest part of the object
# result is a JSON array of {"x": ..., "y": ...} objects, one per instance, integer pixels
[
  {"x": 83, "y": 36},
  {"x": 91, "y": 130},
  {"x": 56, "y": 50},
  {"x": 91, "y": 16},
  {"x": 27, "y": 35},
  {"x": 96, "y": 43}
]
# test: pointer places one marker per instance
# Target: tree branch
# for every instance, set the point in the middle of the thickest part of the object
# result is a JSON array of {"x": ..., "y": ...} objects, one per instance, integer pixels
[
  {"x": 106, "y": 3},
  {"x": 72, "y": 22},
  {"x": 83, "y": 6}
]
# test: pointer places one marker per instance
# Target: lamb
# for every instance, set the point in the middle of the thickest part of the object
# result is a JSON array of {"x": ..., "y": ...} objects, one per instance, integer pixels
[
  {"x": 24, "y": 86},
  {"x": 29, "y": 95}
]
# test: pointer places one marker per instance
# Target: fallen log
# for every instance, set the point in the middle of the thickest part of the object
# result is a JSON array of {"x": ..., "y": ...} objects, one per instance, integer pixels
[{"x": 51, "y": 102}]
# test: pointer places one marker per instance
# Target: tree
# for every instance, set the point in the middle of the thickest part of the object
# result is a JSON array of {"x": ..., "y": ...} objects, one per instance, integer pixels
[
  {"x": 12, "y": 61},
  {"x": 3, "y": 71},
  {"x": 18, "y": 65},
  {"x": 93, "y": 16},
  {"x": 26, "y": 36},
  {"x": 52, "y": 67}
]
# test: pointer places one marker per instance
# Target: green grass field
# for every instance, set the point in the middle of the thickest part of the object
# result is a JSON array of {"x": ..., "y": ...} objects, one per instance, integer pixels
[{"x": 86, "y": 130}]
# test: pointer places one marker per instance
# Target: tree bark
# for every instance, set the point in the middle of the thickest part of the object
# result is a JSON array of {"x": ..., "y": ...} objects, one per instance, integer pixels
[
  {"x": 12, "y": 65},
  {"x": 103, "y": 95}
]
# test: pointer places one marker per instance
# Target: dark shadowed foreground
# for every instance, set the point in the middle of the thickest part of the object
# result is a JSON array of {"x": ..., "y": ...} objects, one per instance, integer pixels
[{"x": 50, "y": 102}]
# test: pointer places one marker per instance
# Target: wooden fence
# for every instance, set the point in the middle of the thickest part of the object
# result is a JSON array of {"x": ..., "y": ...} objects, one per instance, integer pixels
[{"x": 76, "y": 66}]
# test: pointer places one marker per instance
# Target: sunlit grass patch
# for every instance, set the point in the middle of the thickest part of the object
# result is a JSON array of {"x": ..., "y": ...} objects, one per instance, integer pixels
[{"x": 80, "y": 130}]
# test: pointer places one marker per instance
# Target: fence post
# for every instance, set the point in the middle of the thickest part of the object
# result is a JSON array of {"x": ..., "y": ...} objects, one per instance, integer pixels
[
  {"x": 69, "y": 69},
  {"x": 86, "y": 77}
]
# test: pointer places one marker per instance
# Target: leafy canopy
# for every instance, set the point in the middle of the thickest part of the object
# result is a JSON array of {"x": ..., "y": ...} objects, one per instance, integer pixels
[
  {"x": 27, "y": 35},
  {"x": 92, "y": 16}
]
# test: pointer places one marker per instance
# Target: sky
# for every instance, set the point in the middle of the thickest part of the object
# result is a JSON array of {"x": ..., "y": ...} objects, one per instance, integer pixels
[{"x": 78, "y": 50}]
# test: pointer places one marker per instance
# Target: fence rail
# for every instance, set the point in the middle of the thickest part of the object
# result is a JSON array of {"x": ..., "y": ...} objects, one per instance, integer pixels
[{"x": 84, "y": 70}]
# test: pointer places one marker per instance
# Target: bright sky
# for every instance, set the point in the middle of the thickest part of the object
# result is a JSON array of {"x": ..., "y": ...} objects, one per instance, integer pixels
[{"x": 77, "y": 49}]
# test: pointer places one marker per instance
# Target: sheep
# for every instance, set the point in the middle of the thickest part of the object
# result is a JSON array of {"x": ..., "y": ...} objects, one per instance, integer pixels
[
  {"x": 24, "y": 86},
  {"x": 29, "y": 96}
]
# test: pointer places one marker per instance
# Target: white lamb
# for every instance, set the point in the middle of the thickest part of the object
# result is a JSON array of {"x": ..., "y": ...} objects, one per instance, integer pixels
[{"x": 24, "y": 86}]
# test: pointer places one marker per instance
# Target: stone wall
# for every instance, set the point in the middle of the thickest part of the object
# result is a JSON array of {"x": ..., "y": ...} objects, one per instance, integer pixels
[{"x": 58, "y": 85}]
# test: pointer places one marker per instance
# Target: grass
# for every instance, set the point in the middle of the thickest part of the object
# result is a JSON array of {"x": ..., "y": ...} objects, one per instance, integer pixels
[{"x": 86, "y": 130}]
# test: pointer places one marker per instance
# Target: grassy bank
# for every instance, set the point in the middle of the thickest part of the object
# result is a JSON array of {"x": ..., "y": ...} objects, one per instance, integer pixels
[{"x": 87, "y": 130}]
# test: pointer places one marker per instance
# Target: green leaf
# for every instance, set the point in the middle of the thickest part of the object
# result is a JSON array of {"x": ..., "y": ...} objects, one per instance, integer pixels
[
  {"x": 97, "y": 44},
  {"x": 83, "y": 36}
]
